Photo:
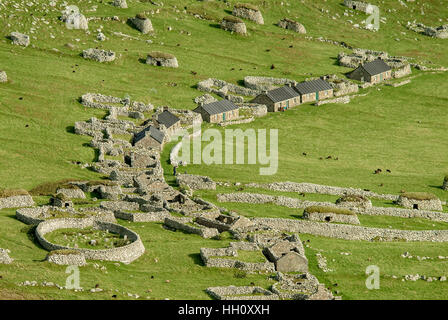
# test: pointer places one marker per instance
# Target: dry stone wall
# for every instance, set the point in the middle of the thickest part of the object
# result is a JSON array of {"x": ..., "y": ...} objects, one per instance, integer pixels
[
  {"x": 124, "y": 254},
  {"x": 16, "y": 202}
]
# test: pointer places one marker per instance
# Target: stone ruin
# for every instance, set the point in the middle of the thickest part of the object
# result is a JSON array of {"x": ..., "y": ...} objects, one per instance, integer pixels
[
  {"x": 358, "y": 5},
  {"x": 248, "y": 11},
  {"x": 66, "y": 258},
  {"x": 142, "y": 23},
  {"x": 4, "y": 256},
  {"x": 260, "y": 84},
  {"x": 3, "y": 76},
  {"x": 330, "y": 214},
  {"x": 195, "y": 182},
  {"x": 227, "y": 258},
  {"x": 162, "y": 59},
  {"x": 16, "y": 199},
  {"x": 120, "y": 4},
  {"x": 222, "y": 222},
  {"x": 72, "y": 192},
  {"x": 187, "y": 225},
  {"x": 289, "y": 24},
  {"x": 205, "y": 99},
  {"x": 20, "y": 39},
  {"x": 341, "y": 87},
  {"x": 241, "y": 293},
  {"x": 99, "y": 55},
  {"x": 400, "y": 65},
  {"x": 226, "y": 90},
  {"x": 288, "y": 256},
  {"x": 302, "y": 286},
  {"x": 354, "y": 201},
  {"x": 234, "y": 24},
  {"x": 440, "y": 32}
]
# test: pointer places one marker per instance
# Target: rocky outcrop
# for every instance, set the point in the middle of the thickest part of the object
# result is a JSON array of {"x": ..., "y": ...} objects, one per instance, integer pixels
[
  {"x": 74, "y": 20},
  {"x": 20, "y": 39},
  {"x": 241, "y": 293},
  {"x": 99, "y": 55},
  {"x": 291, "y": 25},
  {"x": 234, "y": 24},
  {"x": 248, "y": 11}
]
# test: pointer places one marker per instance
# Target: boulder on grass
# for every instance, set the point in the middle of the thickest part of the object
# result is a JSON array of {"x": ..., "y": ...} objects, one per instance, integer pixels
[{"x": 20, "y": 39}]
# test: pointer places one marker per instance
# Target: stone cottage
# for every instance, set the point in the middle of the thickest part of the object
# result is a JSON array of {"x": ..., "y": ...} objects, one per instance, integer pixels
[
  {"x": 314, "y": 90},
  {"x": 218, "y": 111},
  {"x": 150, "y": 137},
  {"x": 279, "y": 99},
  {"x": 420, "y": 201},
  {"x": 374, "y": 72},
  {"x": 167, "y": 122}
]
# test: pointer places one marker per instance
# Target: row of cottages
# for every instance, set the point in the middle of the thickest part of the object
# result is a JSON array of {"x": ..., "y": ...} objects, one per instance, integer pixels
[
  {"x": 150, "y": 137},
  {"x": 168, "y": 122},
  {"x": 219, "y": 111},
  {"x": 374, "y": 72},
  {"x": 279, "y": 99},
  {"x": 289, "y": 96}
]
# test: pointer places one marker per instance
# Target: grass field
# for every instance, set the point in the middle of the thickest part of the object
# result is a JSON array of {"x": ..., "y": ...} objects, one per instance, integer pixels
[{"x": 402, "y": 129}]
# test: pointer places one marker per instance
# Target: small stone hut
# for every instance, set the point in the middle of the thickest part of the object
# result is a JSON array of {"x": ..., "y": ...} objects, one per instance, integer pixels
[
  {"x": 142, "y": 23},
  {"x": 150, "y": 137},
  {"x": 374, "y": 72},
  {"x": 280, "y": 99},
  {"x": 162, "y": 59},
  {"x": 330, "y": 214},
  {"x": 354, "y": 201},
  {"x": 445, "y": 183},
  {"x": 314, "y": 90},
  {"x": 291, "y": 25},
  {"x": 98, "y": 55},
  {"x": 420, "y": 201},
  {"x": 234, "y": 24},
  {"x": 219, "y": 111},
  {"x": 248, "y": 11}
]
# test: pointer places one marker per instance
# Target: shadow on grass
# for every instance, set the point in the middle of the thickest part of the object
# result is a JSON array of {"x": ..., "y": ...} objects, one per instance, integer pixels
[
  {"x": 436, "y": 187},
  {"x": 215, "y": 25},
  {"x": 70, "y": 129},
  {"x": 196, "y": 257}
]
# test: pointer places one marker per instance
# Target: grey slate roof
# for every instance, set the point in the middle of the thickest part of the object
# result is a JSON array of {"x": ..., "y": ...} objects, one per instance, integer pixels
[
  {"x": 153, "y": 132},
  {"x": 312, "y": 86},
  {"x": 167, "y": 119},
  {"x": 282, "y": 94},
  {"x": 217, "y": 107},
  {"x": 376, "y": 67}
]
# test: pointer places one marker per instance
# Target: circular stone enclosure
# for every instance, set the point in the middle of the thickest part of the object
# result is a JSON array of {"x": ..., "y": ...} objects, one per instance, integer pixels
[{"x": 124, "y": 254}]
